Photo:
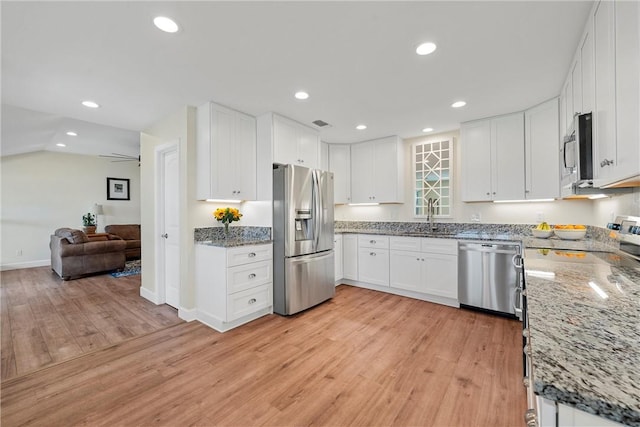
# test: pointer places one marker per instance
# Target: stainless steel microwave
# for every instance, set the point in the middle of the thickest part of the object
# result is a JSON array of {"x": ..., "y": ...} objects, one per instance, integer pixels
[{"x": 576, "y": 156}]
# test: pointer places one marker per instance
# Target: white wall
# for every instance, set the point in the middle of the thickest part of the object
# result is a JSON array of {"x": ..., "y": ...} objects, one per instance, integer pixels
[
  {"x": 44, "y": 190},
  {"x": 559, "y": 211}
]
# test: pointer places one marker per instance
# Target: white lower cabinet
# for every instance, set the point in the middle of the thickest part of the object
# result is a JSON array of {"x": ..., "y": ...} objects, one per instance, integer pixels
[
  {"x": 431, "y": 268},
  {"x": 373, "y": 259},
  {"x": 337, "y": 250},
  {"x": 553, "y": 414},
  {"x": 350, "y": 256},
  {"x": 233, "y": 285}
]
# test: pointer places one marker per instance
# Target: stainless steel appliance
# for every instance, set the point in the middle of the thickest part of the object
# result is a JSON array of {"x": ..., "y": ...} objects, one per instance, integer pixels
[
  {"x": 489, "y": 277},
  {"x": 303, "y": 264},
  {"x": 628, "y": 234},
  {"x": 576, "y": 157}
]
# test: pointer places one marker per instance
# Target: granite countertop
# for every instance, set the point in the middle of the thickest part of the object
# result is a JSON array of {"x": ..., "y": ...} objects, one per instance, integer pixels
[
  {"x": 584, "y": 322},
  {"x": 233, "y": 242}
]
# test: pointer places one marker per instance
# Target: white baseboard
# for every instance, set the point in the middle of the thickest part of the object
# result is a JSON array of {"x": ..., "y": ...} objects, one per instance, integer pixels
[
  {"x": 222, "y": 326},
  {"x": 151, "y": 296},
  {"x": 188, "y": 314},
  {"x": 27, "y": 264}
]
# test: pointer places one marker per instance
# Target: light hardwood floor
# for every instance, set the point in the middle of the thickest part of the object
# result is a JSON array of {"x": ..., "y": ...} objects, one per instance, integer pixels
[
  {"x": 47, "y": 320},
  {"x": 364, "y": 358}
]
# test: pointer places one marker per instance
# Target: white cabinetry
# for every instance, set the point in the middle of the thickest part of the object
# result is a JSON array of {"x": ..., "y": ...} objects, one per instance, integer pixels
[
  {"x": 605, "y": 89},
  {"x": 295, "y": 143},
  {"x": 493, "y": 159},
  {"x": 350, "y": 256},
  {"x": 377, "y": 171},
  {"x": 340, "y": 165},
  {"x": 337, "y": 249},
  {"x": 233, "y": 285},
  {"x": 572, "y": 417},
  {"x": 373, "y": 259},
  {"x": 429, "y": 266},
  {"x": 542, "y": 167},
  {"x": 226, "y": 154}
]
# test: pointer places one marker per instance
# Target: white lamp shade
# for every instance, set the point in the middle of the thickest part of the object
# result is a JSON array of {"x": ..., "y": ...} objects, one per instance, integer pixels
[{"x": 98, "y": 210}]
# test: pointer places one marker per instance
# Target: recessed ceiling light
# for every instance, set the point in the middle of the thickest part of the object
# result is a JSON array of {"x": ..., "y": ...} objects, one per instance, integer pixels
[
  {"x": 167, "y": 25},
  {"x": 361, "y": 127},
  {"x": 458, "y": 104},
  {"x": 301, "y": 95},
  {"x": 427, "y": 130},
  {"x": 72, "y": 133},
  {"x": 426, "y": 48},
  {"x": 90, "y": 104},
  {"x": 60, "y": 144}
]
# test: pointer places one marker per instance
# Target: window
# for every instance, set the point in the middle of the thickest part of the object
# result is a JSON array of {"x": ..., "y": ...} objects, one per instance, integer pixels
[{"x": 432, "y": 171}]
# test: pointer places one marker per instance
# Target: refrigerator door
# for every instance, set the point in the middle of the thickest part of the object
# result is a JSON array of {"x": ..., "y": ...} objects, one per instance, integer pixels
[
  {"x": 308, "y": 281},
  {"x": 323, "y": 203}
]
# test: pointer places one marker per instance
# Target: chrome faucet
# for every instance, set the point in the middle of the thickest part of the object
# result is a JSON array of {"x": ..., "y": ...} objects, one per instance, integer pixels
[{"x": 430, "y": 213}]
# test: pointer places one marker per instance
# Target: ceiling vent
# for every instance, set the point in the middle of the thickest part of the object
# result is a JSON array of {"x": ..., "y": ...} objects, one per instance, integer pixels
[{"x": 321, "y": 123}]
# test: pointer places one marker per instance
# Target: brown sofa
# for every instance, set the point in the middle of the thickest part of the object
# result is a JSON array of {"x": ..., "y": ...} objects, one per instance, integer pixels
[
  {"x": 130, "y": 233},
  {"x": 74, "y": 254}
]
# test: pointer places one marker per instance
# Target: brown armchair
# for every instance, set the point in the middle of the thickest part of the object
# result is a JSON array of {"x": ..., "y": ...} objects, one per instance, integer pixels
[
  {"x": 130, "y": 233},
  {"x": 73, "y": 254}
]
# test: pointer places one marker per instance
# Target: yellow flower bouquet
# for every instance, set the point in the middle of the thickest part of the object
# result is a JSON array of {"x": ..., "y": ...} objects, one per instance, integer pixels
[{"x": 227, "y": 216}]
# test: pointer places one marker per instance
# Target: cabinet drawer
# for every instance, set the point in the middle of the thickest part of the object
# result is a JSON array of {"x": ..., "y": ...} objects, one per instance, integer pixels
[
  {"x": 248, "y": 301},
  {"x": 373, "y": 241},
  {"x": 401, "y": 243},
  {"x": 440, "y": 246},
  {"x": 248, "y": 276},
  {"x": 246, "y": 254}
]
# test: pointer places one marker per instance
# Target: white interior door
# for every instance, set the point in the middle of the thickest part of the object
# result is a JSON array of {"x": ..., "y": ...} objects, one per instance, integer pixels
[{"x": 169, "y": 226}]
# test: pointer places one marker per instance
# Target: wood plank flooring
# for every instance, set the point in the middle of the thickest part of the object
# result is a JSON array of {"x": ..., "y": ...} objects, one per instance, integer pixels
[
  {"x": 364, "y": 358},
  {"x": 46, "y": 320}
]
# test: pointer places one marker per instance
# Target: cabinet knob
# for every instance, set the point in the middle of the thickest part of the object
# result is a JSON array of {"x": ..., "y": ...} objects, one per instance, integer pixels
[
  {"x": 372, "y": 253},
  {"x": 251, "y": 254},
  {"x": 233, "y": 192},
  {"x": 374, "y": 197},
  {"x": 606, "y": 162},
  {"x": 238, "y": 192},
  {"x": 527, "y": 191},
  {"x": 252, "y": 301},
  {"x": 372, "y": 242},
  {"x": 488, "y": 194},
  {"x": 252, "y": 276},
  {"x": 494, "y": 193}
]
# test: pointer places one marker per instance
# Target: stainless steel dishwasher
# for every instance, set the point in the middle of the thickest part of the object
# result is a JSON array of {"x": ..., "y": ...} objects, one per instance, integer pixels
[{"x": 488, "y": 278}]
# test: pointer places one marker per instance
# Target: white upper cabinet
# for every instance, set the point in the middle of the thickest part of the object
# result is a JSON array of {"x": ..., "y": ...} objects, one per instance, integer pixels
[
  {"x": 295, "y": 143},
  {"x": 542, "y": 170},
  {"x": 604, "y": 116},
  {"x": 586, "y": 68},
  {"x": 377, "y": 171},
  {"x": 340, "y": 165},
  {"x": 226, "y": 154},
  {"x": 493, "y": 158}
]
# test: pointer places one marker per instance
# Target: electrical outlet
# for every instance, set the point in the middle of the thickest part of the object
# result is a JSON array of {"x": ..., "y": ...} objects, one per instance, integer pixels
[
  {"x": 539, "y": 216},
  {"x": 19, "y": 252},
  {"x": 476, "y": 217}
]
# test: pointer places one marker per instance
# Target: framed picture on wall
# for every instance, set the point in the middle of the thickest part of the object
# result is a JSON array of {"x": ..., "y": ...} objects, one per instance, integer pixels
[{"x": 118, "y": 189}]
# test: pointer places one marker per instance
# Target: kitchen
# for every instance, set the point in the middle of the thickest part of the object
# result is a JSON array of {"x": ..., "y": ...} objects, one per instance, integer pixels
[{"x": 474, "y": 213}]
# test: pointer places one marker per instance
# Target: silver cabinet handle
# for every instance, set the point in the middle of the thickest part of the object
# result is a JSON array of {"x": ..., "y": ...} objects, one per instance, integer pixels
[
  {"x": 251, "y": 254},
  {"x": 252, "y": 276},
  {"x": 252, "y": 301},
  {"x": 165, "y": 235},
  {"x": 606, "y": 162},
  {"x": 372, "y": 253},
  {"x": 372, "y": 241}
]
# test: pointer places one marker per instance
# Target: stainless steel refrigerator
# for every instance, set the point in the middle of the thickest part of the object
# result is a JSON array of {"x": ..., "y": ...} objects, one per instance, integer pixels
[{"x": 303, "y": 273}]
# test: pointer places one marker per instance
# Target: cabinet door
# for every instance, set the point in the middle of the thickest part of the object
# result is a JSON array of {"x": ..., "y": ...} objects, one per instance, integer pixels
[
  {"x": 373, "y": 266},
  {"x": 576, "y": 85},
  {"x": 308, "y": 147},
  {"x": 586, "y": 67},
  {"x": 605, "y": 107},
  {"x": 627, "y": 90},
  {"x": 285, "y": 141},
  {"x": 507, "y": 165},
  {"x": 244, "y": 172},
  {"x": 223, "y": 148},
  {"x": 340, "y": 165},
  {"x": 361, "y": 173},
  {"x": 337, "y": 248},
  {"x": 385, "y": 171},
  {"x": 406, "y": 270},
  {"x": 350, "y": 256},
  {"x": 475, "y": 138},
  {"x": 541, "y": 151},
  {"x": 441, "y": 275}
]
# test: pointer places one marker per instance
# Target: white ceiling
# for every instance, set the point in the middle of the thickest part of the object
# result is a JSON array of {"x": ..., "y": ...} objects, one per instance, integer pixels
[{"x": 356, "y": 59}]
